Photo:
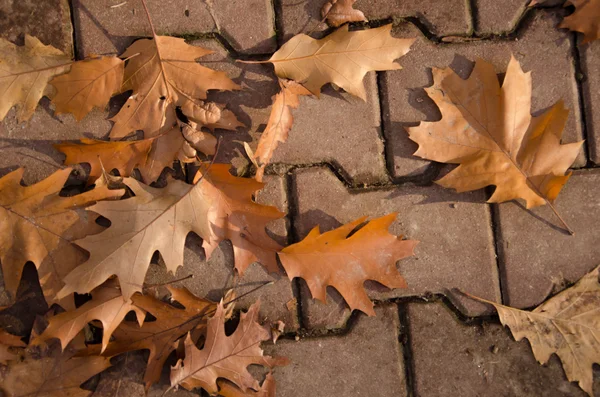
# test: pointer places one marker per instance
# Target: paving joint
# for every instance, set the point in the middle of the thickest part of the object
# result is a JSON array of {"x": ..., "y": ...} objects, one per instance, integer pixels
[{"x": 405, "y": 340}]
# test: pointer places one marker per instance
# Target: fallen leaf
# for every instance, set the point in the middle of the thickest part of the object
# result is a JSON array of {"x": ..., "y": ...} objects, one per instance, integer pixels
[
  {"x": 159, "y": 336},
  {"x": 338, "y": 12},
  {"x": 224, "y": 356},
  {"x": 55, "y": 374},
  {"x": 567, "y": 325},
  {"x": 107, "y": 305},
  {"x": 280, "y": 123},
  {"x": 489, "y": 131},
  {"x": 38, "y": 225},
  {"x": 585, "y": 19},
  {"x": 89, "y": 83},
  {"x": 342, "y": 58},
  {"x": 123, "y": 156},
  {"x": 220, "y": 208},
  {"x": 228, "y": 121},
  {"x": 8, "y": 341},
  {"x": 163, "y": 75},
  {"x": 25, "y": 72},
  {"x": 267, "y": 389},
  {"x": 345, "y": 261},
  {"x": 277, "y": 330}
]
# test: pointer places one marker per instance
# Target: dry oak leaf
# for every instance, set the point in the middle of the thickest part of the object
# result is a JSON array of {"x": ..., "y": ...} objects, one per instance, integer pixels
[
  {"x": 338, "y": 12},
  {"x": 25, "y": 72},
  {"x": 342, "y": 58},
  {"x": 56, "y": 374},
  {"x": 267, "y": 389},
  {"x": 8, "y": 341},
  {"x": 107, "y": 305},
  {"x": 38, "y": 225},
  {"x": 151, "y": 156},
  {"x": 345, "y": 261},
  {"x": 585, "y": 19},
  {"x": 223, "y": 356},
  {"x": 280, "y": 123},
  {"x": 163, "y": 75},
  {"x": 160, "y": 336},
  {"x": 123, "y": 156},
  {"x": 567, "y": 325},
  {"x": 488, "y": 129},
  {"x": 219, "y": 208},
  {"x": 89, "y": 83}
]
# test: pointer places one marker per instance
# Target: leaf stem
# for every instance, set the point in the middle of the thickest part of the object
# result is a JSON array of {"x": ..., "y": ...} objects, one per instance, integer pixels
[
  {"x": 571, "y": 232},
  {"x": 149, "y": 18},
  {"x": 252, "y": 62},
  {"x": 169, "y": 282}
]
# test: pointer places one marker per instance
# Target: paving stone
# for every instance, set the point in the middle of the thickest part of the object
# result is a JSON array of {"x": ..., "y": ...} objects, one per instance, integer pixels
[
  {"x": 365, "y": 362},
  {"x": 452, "y": 19},
  {"x": 406, "y": 103},
  {"x": 453, "y": 359},
  {"x": 29, "y": 144},
  {"x": 590, "y": 62},
  {"x": 102, "y": 28},
  {"x": 537, "y": 255},
  {"x": 214, "y": 277},
  {"x": 494, "y": 16},
  {"x": 342, "y": 130},
  {"x": 457, "y": 252},
  {"x": 49, "y": 21}
]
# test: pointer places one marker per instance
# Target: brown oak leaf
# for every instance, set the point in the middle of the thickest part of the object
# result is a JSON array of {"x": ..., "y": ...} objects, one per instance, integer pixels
[
  {"x": 8, "y": 341},
  {"x": 267, "y": 389},
  {"x": 89, "y": 83},
  {"x": 107, "y": 305},
  {"x": 280, "y": 123},
  {"x": 54, "y": 374},
  {"x": 345, "y": 261},
  {"x": 225, "y": 356},
  {"x": 342, "y": 58},
  {"x": 39, "y": 225},
  {"x": 585, "y": 19},
  {"x": 219, "y": 208},
  {"x": 488, "y": 129},
  {"x": 567, "y": 325},
  {"x": 25, "y": 72},
  {"x": 338, "y": 12},
  {"x": 163, "y": 75},
  {"x": 159, "y": 336}
]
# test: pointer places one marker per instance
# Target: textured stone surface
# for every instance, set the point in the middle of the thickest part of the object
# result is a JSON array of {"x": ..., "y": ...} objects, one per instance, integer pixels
[
  {"x": 102, "y": 28},
  {"x": 494, "y": 16},
  {"x": 367, "y": 361},
  {"x": 590, "y": 63},
  {"x": 214, "y": 277},
  {"x": 341, "y": 129},
  {"x": 537, "y": 254},
  {"x": 455, "y": 251},
  {"x": 451, "y": 19},
  {"x": 539, "y": 46},
  {"x": 453, "y": 359},
  {"x": 48, "y": 20}
]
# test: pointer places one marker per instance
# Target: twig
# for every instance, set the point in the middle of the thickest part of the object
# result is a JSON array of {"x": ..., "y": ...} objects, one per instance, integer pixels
[
  {"x": 169, "y": 282},
  {"x": 118, "y": 5}
]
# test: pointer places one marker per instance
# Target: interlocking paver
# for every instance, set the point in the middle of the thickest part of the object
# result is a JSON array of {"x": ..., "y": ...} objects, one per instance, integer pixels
[
  {"x": 103, "y": 27},
  {"x": 366, "y": 361},
  {"x": 212, "y": 278},
  {"x": 492, "y": 16},
  {"x": 49, "y": 21},
  {"x": 452, "y": 19},
  {"x": 342, "y": 130},
  {"x": 453, "y": 359},
  {"x": 541, "y": 45},
  {"x": 590, "y": 63},
  {"x": 537, "y": 255},
  {"x": 455, "y": 251}
]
